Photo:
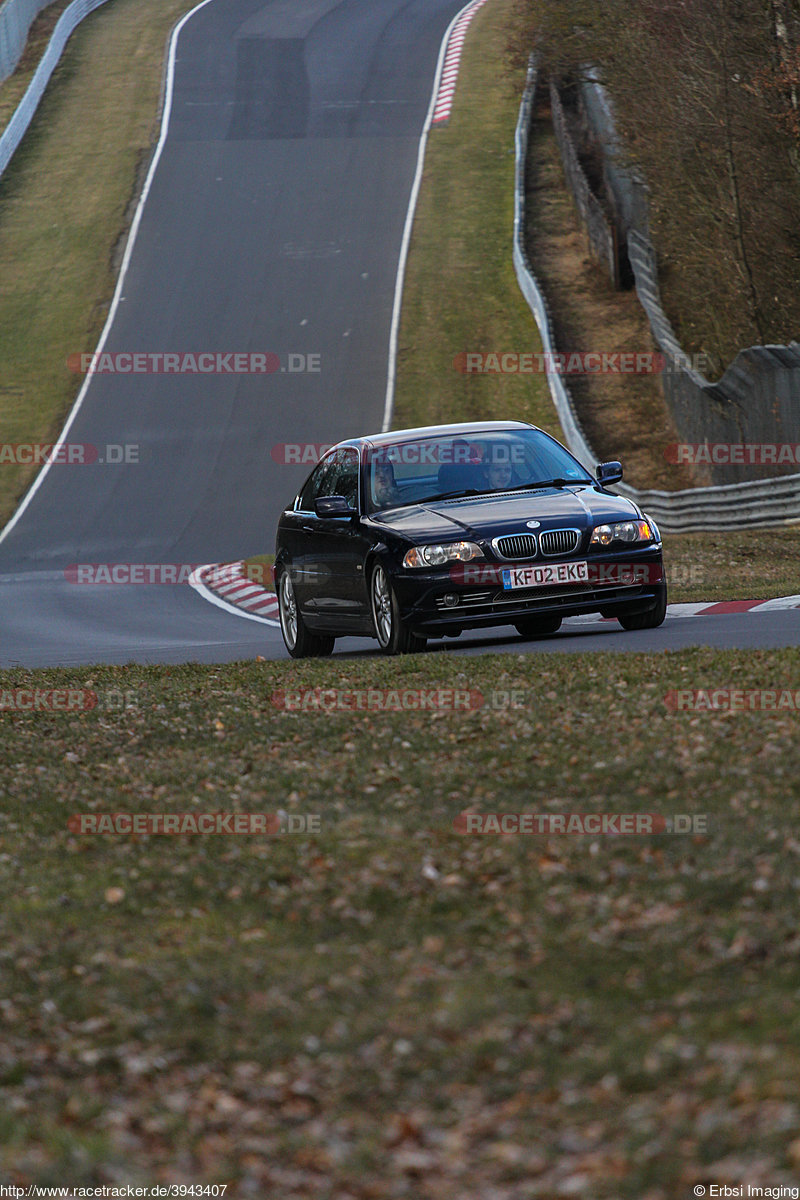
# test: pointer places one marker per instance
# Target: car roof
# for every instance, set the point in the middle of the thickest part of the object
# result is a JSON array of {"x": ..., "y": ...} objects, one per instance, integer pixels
[{"x": 428, "y": 431}]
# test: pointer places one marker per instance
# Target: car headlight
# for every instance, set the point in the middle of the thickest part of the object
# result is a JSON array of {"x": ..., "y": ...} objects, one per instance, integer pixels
[
  {"x": 622, "y": 531},
  {"x": 441, "y": 553}
]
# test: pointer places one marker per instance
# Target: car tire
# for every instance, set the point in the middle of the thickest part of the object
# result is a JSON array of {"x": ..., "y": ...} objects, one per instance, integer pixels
[
  {"x": 297, "y": 638},
  {"x": 534, "y": 627},
  {"x": 394, "y": 636},
  {"x": 652, "y": 618}
]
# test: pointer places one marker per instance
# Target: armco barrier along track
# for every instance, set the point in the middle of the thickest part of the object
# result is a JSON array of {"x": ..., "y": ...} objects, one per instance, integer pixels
[
  {"x": 728, "y": 506},
  {"x": 23, "y": 114}
]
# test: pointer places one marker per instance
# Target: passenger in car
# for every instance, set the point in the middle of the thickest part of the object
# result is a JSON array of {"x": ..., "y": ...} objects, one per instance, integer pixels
[{"x": 498, "y": 475}]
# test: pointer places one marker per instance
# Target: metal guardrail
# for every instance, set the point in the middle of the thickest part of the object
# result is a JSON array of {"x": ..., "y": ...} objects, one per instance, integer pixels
[
  {"x": 16, "y": 18},
  {"x": 757, "y": 399},
  {"x": 23, "y": 114},
  {"x": 601, "y": 232},
  {"x": 727, "y": 506}
]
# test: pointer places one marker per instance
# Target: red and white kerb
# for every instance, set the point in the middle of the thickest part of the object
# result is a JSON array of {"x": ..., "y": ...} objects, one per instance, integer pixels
[{"x": 447, "y": 83}]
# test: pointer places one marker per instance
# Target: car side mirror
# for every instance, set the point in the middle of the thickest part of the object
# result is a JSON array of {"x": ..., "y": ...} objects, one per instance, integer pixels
[
  {"x": 333, "y": 506},
  {"x": 609, "y": 472}
]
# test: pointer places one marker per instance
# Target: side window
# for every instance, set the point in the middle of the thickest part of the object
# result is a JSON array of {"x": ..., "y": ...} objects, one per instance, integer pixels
[
  {"x": 347, "y": 476},
  {"x": 318, "y": 483},
  {"x": 336, "y": 475}
]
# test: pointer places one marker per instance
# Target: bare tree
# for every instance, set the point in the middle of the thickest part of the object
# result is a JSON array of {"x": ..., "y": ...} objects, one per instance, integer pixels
[{"x": 706, "y": 94}]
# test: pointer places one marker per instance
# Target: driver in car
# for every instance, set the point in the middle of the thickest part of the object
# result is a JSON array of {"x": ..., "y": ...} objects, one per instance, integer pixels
[{"x": 384, "y": 487}]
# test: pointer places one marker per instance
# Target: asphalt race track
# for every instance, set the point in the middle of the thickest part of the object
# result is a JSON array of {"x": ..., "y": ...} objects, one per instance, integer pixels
[{"x": 273, "y": 226}]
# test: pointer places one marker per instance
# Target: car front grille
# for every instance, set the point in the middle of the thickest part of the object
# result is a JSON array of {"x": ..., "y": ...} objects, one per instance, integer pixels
[
  {"x": 559, "y": 541},
  {"x": 520, "y": 545}
]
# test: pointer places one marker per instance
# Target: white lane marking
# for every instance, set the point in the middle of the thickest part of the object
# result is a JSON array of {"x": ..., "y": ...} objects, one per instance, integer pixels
[
  {"x": 260, "y": 606},
  {"x": 242, "y": 591},
  {"x": 388, "y": 405},
  {"x": 688, "y": 610},
  {"x": 778, "y": 603},
  {"x": 196, "y": 581},
  {"x": 118, "y": 297},
  {"x": 703, "y": 608}
]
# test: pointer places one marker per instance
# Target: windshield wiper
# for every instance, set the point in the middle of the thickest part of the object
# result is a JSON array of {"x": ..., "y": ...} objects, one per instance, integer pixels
[
  {"x": 452, "y": 495},
  {"x": 559, "y": 483}
]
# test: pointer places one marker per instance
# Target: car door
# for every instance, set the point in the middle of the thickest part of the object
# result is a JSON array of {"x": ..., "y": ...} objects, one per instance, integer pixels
[
  {"x": 339, "y": 549},
  {"x": 346, "y": 545},
  {"x": 299, "y": 529}
]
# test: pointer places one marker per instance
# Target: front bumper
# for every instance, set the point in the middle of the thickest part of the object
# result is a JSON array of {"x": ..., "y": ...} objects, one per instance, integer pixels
[{"x": 435, "y": 602}]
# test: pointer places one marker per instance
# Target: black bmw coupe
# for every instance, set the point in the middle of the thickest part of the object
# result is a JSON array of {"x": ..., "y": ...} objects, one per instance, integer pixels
[{"x": 423, "y": 533}]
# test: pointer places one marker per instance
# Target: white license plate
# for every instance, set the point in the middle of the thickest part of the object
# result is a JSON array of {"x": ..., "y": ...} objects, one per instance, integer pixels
[{"x": 544, "y": 574}]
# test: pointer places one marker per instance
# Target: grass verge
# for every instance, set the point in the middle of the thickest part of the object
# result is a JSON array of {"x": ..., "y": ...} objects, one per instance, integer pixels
[
  {"x": 66, "y": 198},
  {"x": 757, "y": 564},
  {"x": 595, "y": 1016},
  {"x": 461, "y": 293},
  {"x": 13, "y": 88}
]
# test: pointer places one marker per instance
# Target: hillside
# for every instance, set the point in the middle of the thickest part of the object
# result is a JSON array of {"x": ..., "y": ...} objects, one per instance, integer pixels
[{"x": 707, "y": 98}]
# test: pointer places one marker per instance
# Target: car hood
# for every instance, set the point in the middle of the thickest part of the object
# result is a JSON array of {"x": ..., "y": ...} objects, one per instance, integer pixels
[{"x": 480, "y": 517}]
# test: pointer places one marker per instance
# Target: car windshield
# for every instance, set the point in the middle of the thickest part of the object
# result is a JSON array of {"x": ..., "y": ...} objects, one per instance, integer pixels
[{"x": 411, "y": 472}]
